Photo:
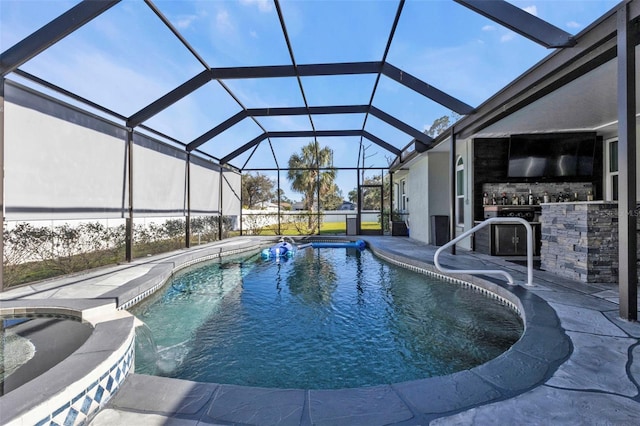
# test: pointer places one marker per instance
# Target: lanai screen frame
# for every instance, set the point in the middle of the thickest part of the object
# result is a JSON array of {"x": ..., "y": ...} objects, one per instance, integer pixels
[{"x": 498, "y": 11}]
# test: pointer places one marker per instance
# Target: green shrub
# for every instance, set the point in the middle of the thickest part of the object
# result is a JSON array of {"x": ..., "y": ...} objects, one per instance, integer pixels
[{"x": 34, "y": 253}]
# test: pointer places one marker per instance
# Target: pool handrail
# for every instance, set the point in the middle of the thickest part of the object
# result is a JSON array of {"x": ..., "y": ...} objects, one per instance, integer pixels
[{"x": 491, "y": 271}]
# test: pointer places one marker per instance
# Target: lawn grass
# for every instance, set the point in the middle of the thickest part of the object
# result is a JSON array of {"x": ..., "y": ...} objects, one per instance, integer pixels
[
  {"x": 35, "y": 271},
  {"x": 328, "y": 228}
]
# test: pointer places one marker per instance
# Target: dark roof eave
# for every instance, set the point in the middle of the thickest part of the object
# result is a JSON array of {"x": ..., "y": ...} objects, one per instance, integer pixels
[
  {"x": 593, "y": 43},
  {"x": 410, "y": 151}
]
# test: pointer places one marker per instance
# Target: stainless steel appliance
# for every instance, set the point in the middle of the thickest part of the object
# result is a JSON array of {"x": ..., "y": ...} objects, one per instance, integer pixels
[{"x": 511, "y": 239}]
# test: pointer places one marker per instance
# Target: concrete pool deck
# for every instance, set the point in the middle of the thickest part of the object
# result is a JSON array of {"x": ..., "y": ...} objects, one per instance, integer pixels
[{"x": 577, "y": 363}]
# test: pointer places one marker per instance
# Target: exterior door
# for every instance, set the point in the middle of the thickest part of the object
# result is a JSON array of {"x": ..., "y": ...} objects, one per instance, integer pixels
[{"x": 370, "y": 210}]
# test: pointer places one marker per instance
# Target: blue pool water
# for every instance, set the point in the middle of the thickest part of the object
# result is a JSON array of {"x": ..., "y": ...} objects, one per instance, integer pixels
[{"x": 325, "y": 319}]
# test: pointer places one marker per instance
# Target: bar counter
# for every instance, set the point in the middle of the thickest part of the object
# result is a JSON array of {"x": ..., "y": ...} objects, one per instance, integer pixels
[{"x": 580, "y": 240}]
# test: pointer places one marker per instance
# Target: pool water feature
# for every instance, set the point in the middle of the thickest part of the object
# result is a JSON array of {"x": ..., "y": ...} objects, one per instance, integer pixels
[{"x": 325, "y": 319}]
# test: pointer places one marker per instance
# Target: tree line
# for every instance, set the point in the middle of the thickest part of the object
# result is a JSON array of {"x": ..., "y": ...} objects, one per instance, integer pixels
[{"x": 312, "y": 175}]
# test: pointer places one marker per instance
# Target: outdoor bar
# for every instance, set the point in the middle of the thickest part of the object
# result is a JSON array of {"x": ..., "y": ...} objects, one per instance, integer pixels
[{"x": 580, "y": 240}]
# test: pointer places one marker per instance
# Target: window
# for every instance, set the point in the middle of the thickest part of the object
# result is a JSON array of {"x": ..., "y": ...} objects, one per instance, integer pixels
[
  {"x": 396, "y": 197},
  {"x": 460, "y": 192},
  {"x": 404, "y": 201},
  {"x": 612, "y": 170}
]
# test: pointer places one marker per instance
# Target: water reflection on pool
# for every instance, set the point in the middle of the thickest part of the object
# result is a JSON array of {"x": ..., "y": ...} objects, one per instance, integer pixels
[{"x": 326, "y": 319}]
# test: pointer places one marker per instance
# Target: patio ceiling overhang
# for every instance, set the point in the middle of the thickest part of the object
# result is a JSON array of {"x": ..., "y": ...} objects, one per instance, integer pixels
[
  {"x": 70, "y": 21},
  {"x": 570, "y": 90}
]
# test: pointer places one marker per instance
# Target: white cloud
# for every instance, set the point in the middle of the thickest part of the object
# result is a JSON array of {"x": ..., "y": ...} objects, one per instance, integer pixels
[
  {"x": 489, "y": 28},
  {"x": 531, "y": 9},
  {"x": 185, "y": 21},
  {"x": 223, "y": 22},
  {"x": 507, "y": 37},
  {"x": 263, "y": 5},
  {"x": 573, "y": 25}
]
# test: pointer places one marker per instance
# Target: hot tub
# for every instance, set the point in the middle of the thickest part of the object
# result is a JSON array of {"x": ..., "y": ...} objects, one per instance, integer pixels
[{"x": 81, "y": 381}]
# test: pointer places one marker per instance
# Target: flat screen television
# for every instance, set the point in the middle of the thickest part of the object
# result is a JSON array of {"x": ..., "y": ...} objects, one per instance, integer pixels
[{"x": 552, "y": 155}]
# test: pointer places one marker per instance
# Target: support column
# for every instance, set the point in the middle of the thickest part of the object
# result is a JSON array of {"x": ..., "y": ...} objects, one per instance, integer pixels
[
  {"x": 627, "y": 206},
  {"x": 187, "y": 227},
  {"x": 129, "y": 220},
  {"x": 2, "y": 177},
  {"x": 279, "y": 224},
  {"x": 391, "y": 193},
  {"x": 452, "y": 190},
  {"x": 220, "y": 221},
  {"x": 242, "y": 201},
  {"x": 317, "y": 192},
  {"x": 359, "y": 207}
]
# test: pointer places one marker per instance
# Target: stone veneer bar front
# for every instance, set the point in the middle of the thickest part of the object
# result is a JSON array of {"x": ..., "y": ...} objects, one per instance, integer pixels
[{"x": 580, "y": 240}]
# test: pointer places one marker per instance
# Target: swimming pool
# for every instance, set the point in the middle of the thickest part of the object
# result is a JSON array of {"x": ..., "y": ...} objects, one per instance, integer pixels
[{"x": 326, "y": 319}]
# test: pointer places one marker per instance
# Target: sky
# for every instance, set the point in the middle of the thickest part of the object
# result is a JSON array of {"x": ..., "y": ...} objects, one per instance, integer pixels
[{"x": 127, "y": 58}]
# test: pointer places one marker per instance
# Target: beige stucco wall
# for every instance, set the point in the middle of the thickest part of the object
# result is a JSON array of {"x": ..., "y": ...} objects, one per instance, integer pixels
[
  {"x": 417, "y": 188},
  {"x": 429, "y": 191},
  {"x": 438, "y": 183}
]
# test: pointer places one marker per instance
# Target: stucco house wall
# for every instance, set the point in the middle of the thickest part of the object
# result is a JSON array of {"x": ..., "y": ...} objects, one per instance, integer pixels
[
  {"x": 418, "y": 188},
  {"x": 438, "y": 172}
]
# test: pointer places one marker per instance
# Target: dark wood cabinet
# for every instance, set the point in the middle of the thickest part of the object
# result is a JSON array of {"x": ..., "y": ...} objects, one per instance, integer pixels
[{"x": 399, "y": 229}]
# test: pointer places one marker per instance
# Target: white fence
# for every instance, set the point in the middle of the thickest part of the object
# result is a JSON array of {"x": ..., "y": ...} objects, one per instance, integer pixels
[{"x": 252, "y": 219}]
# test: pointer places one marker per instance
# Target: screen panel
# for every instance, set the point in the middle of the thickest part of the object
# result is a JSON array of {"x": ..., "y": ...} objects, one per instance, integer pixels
[
  {"x": 159, "y": 178},
  {"x": 205, "y": 187},
  {"x": 61, "y": 163},
  {"x": 231, "y": 193}
]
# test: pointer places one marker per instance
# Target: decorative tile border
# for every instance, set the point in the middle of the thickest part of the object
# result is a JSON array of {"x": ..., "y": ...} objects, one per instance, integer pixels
[
  {"x": 140, "y": 297},
  {"x": 96, "y": 371},
  {"x": 484, "y": 291},
  {"x": 421, "y": 387},
  {"x": 450, "y": 279},
  {"x": 213, "y": 256},
  {"x": 84, "y": 406}
]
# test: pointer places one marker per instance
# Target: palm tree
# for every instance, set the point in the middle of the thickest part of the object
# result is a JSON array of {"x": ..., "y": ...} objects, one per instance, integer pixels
[{"x": 306, "y": 178}]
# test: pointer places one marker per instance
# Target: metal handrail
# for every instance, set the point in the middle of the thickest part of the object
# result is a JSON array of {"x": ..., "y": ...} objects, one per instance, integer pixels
[{"x": 491, "y": 271}]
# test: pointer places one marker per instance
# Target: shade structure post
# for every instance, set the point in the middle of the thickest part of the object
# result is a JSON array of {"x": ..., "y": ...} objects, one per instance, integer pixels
[
  {"x": 2, "y": 177},
  {"x": 452, "y": 189},
  {"x": 187, "y": 226},
  {"x": 129, "y": 219},
  {"x": 627, "y": 206}
]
